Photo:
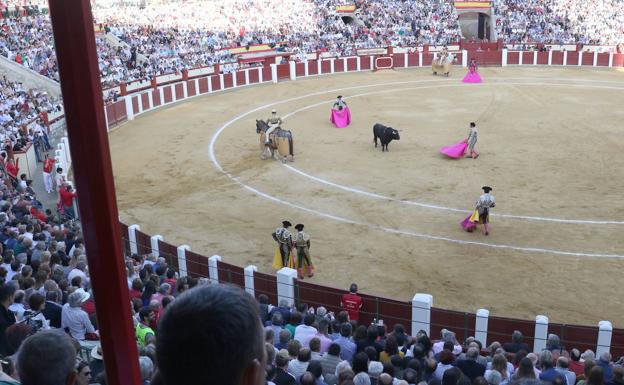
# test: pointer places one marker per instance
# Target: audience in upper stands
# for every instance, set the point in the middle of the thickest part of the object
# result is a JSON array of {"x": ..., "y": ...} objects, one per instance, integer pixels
[{"x": 164, "y": 37}]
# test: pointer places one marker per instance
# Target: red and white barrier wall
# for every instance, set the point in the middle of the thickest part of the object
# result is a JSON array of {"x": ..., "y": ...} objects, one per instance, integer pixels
[{"x": 145, "y": 96}]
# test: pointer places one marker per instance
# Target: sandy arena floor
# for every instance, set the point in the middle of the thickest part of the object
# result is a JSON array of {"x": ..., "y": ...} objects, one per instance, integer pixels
[{"x": 551, "y": 146}]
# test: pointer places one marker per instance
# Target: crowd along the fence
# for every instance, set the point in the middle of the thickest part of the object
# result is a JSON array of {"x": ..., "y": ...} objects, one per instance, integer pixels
[{"x": 417, "y": 314}]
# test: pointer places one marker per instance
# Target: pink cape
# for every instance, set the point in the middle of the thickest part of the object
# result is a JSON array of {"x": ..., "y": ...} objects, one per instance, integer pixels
[
  {"x": 340, "y": 118},
  {"x": 455, "y": 151},
  {"x": 467, "y": 225},
  {"x": 472, "y": 77}
]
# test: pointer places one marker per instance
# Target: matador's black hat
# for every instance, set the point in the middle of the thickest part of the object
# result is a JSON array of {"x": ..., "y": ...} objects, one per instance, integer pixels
[
  {"x": 286, "y": 224},
  {"x": 487, "y": 189},
  {"x": 299, "y": 227}
]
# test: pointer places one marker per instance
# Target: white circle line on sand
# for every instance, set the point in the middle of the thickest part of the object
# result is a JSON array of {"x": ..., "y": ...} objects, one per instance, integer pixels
[
  {"x": 236, "y": 179},
  {"x": 438, "y": 207}
]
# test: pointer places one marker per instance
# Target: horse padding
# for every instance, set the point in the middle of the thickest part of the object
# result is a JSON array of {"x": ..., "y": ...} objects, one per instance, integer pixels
[
  {"x": 441, "y": 68},
  {"x": 283, "y": 146}
]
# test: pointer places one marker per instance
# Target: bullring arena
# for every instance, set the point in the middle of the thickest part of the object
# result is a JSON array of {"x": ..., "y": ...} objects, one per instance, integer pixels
[{"x": 550, "y": 144}]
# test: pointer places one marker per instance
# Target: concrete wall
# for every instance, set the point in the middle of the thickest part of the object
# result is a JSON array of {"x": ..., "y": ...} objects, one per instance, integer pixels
[{"x": 16, "y": 72}]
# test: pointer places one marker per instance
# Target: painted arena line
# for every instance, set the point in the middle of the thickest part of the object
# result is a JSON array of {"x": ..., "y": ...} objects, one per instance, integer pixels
[
  {"x": 275, "y": 199},
  {"x": 433, "y": 206}
]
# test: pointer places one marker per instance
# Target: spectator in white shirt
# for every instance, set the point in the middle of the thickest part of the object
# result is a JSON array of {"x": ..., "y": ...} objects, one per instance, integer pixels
[
  {"x": 304, "y": 332},
  {"x": 74, "y": 319}
]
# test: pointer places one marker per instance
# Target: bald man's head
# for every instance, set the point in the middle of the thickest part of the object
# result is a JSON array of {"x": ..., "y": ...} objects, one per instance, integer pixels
[{"x": 385, "y": 379}]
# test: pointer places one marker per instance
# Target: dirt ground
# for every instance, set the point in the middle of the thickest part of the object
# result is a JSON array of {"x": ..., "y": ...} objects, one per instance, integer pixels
[{"x": 551, "y": 146}]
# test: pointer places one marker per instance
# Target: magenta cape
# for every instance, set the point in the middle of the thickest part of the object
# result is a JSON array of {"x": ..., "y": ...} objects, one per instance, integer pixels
[
  {"x": 472, "y": 77},
  {"x": 340, "y": 118},
  {"x": 467, "y": 225},
  {"x": 455, "y": 151}
]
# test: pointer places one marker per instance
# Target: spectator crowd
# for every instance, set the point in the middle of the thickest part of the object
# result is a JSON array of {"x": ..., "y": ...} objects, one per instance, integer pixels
[{"x": 167, "y": 37}]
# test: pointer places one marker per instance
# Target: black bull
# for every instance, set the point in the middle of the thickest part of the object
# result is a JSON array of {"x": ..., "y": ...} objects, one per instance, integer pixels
[{"x": 385, "y": 135}]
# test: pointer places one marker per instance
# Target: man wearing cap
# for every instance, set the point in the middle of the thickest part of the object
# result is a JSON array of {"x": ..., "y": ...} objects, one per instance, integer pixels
[
  {"x": 283, "y": 238},
  {"x": 274, "y": 122},
  {"x": 485, "y": 202},
  {"x": 74, "y": 319},
  {"x": 339, "y": 104},
  {"x": 302, "y": 243}
]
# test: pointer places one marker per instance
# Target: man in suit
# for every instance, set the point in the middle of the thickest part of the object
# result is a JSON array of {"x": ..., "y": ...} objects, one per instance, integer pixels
[
  {"x": 470, "y": 367},
  {"x": 516, "y": 343},
  {"x": 282, "y": 377},
  {"x": 52, "y": 310}
]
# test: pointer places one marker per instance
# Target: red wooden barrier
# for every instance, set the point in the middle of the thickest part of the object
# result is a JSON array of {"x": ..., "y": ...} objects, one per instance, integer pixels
[
  {"x": 190, "y": 88},
  {"x": 169, "y": 252},
  {"x": 231, "y": 274},
  {"x": 352, "y": 64},
  {"x": 145, "y": 101},
  {"x": 179, "y": 91},
  {"x": 135, "y": 104},
  {"x": 588, "y": 59},
  {"x": 143, "y": 243},
  {"x": 266, "y": 74},
  {"x": 398, "y": 59},
  {"x": 120, "y": 111},
  {"x": 196, "y": 265},
  {"x": 412, "y": 59},
  {"x": 313, "y": 67},
  {"x": 167, "y": 94},
  {"x": 542, "y": 58},
  {"x": 325, "y": 66},
  {"x": 428, "y": 59},
  {"x": 124, "y": 238},
  {"x": 156, "y": 97},
  {"x": 527, "y": 58},
  {"x": 215, "y": 82},
  {"x": 513, "y": 58},
  {"x": 228, "y": 82},
  {"x": 603, "y": 60},
  {"x": 572, "y": 58},
  {"x": 254, "y": 77},
  {"x": 203, "y": 85},
  {"x": 339, "y": 65},
  {"x": 365, "y": 63},
  {"x": 111, "y": 116},
  {"x": 300, "y": 69},
  {"x": 557, "y": 58},
  {"x": 283, "y": 71},
  {"x": 240, "y": 78},
  {"x": 462, "y": 324},
  {"x": 266, "y": 284}
]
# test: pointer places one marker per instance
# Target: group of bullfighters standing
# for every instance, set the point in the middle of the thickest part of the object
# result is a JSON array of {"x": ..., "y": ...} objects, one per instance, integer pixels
[{"x": 293, "y": 249}]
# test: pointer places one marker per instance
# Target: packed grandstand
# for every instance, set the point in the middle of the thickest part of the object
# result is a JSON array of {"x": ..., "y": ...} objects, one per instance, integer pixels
[{"x": 44, "y": 260}]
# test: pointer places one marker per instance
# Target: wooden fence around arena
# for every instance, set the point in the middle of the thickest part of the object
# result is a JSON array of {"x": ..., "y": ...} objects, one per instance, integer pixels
[{"x": 375, "y": 308}]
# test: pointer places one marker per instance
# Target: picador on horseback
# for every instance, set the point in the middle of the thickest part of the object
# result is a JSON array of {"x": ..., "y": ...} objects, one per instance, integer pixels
[
  {"x": 274, "y": 122},
  {"x": 274, "y": 138}
]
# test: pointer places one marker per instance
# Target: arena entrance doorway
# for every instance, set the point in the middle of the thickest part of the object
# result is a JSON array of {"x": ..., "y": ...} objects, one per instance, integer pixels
[{"x": 477, "y": 25}]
